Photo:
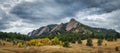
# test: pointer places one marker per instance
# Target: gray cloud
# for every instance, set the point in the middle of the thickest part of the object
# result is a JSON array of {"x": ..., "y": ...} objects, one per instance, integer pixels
[
  {"x": 52, "y": 10},
  {"x": 96, "y": 13},
  {"x": 105, "y": 20},
  {"x": 55, "y": 9},
  {"x": 4, "y": 21}
]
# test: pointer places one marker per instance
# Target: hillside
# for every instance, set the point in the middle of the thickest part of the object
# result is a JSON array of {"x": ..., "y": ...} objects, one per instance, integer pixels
[{"x": 72, "y": 26}]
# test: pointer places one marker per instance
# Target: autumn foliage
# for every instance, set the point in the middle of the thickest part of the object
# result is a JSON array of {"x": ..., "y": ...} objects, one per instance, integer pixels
[{"x": 44, "y": 41}]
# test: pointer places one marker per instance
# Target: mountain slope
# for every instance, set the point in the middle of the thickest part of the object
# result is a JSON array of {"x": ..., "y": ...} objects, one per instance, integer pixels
[{"x": 72, "y": 26}]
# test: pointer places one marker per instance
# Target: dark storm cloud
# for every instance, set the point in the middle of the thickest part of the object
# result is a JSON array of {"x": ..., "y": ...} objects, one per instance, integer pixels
[
  {"x": 38, "y": 11},
  {"x": 3, "y": 26},
  {"x": 43, "y": 12},
  {"x": 106, "y": 5},
  {"x": 4, "y": 21},
  {"x": 58, "y": 9}
]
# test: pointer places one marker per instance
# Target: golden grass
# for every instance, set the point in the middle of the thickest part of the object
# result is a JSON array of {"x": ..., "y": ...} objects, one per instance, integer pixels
[
  {"x": 4, "y": 43},
  {"x": 75, "y": 48}
]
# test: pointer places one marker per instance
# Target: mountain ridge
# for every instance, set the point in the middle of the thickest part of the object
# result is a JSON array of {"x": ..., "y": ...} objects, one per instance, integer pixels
[{"x": 72, "y": 25}]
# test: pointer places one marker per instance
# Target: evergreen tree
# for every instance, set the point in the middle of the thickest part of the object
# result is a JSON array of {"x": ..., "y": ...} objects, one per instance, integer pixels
[
  {"x": 73, "y": 41},
  {"x": 93, "y": 35},
  {"x": 110, "y": 37},
  {"x": 89, "y": 42},
  {"x": 115, "y": 38},
  {"x": 79, "y": 41},
  {"x": 106, "y": 36},
  {"x": 99, "y": 42}
]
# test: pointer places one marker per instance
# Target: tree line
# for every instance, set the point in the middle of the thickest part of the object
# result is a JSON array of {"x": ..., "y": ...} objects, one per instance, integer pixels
[{"x": 66, "y": 37}]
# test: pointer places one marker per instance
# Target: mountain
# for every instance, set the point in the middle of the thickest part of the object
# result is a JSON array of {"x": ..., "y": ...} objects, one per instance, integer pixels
[{"x": 72, "y": 26}]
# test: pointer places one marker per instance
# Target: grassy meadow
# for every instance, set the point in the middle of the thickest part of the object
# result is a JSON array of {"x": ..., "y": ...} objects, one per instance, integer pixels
[{"x": 107, "y": 47}]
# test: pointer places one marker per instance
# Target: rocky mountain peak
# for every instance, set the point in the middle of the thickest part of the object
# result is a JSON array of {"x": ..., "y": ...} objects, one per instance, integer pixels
[
  {"x": 72, "y": 24},
  {"x": 72, "y": 20}
]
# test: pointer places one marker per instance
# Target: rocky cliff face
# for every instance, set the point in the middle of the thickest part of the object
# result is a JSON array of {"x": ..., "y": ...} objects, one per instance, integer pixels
[
  {"x": 57, "y": 27},
  {"x": 72, "y": 25},
  {"x": 42, "y": 31}
]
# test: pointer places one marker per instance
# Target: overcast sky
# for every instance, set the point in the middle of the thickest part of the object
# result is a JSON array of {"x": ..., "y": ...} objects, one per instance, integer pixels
[{"x": 26, "y": 15}]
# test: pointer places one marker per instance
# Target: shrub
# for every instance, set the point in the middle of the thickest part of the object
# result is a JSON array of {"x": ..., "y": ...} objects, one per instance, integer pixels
[
  {"x": 4, "y": 44},
  {"x": 116, "y": 48},
  {"x": 15, "y": 42},
  {"x": 79, "y": 41},
  {"x": 44, "y": 41},
  {"x": 39, "y": 44},
  {"x": 89, "y": 42},
  {"x": 19, "y": 45},
  {"x": 55, "y": 40},
  {"x": 66, "y": 44},
  {"x": 61, "y": 43},
  {"x": 105, "y": 44},
  {"x": 73, "y": 41},
  {"x": 99, "y": 42}
]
